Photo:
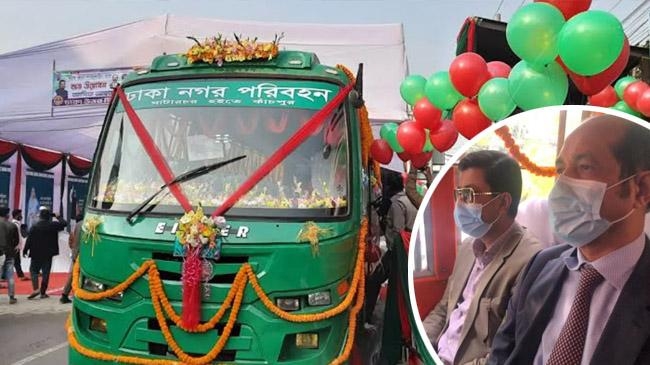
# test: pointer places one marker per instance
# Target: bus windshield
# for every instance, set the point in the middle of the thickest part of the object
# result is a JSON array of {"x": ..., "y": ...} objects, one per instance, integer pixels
[{"x": 244, "y": 117}]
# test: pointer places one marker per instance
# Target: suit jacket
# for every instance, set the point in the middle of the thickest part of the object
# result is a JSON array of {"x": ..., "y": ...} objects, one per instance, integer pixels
[
  {"x": 493, "y": 292},
  {"x": 625, "y": 338},
  {"x": 43, "y": 239}
]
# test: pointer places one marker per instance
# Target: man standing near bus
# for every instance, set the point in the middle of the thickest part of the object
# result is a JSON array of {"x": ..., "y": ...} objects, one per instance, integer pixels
[
  {"x": 588, "y": 301},
  {"x": 463, "y": 323},
  {"x": 43, "y": 244}
]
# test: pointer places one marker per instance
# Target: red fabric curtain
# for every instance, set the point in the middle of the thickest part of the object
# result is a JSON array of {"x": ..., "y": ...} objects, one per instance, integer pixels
[
  {"x": 40, "y": 159},
  {"x": 7, "y": 149},
  {"x": 79, "y": 166}
]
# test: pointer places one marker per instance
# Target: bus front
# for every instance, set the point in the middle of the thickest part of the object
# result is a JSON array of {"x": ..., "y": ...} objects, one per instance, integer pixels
[{"x": 174, "y": 121}]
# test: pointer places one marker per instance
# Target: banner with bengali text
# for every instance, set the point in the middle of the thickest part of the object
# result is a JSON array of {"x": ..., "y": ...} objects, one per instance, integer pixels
[
  {"x": 40, "y": 192},
  {"x": 90, "y": 87},
  {"x": 5, "y": 181}
]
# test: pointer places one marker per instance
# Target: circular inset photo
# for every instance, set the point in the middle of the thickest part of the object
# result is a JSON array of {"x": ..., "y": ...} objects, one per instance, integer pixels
[{"x": 531, "y": 245}]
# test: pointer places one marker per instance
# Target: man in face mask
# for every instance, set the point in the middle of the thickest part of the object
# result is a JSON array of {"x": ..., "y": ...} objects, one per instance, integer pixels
[
  {"x": 463, "y": 323},
  {"x": 588, "y": 302}
]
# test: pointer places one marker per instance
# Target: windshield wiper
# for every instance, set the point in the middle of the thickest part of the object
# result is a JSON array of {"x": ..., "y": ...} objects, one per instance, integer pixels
[{"x": 189, "y": 175}]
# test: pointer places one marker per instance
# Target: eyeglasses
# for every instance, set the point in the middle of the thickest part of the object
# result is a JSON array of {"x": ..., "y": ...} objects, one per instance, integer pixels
[{"x": 468, "y": 195}]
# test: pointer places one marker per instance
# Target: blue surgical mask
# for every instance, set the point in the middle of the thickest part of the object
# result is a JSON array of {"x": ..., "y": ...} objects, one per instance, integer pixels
[
  {"x": 468, "y": 218},
  {"x": 574, "y": 207}
]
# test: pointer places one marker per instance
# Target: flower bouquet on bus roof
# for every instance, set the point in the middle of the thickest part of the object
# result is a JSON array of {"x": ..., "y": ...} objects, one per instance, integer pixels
[{"x": 200, "y": 234}]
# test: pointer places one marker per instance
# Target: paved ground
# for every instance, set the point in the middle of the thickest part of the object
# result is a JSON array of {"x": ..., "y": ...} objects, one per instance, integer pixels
[{"x": 34, "y": 339}]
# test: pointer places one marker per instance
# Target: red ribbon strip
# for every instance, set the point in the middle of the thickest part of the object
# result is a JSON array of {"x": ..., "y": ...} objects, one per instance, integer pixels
[
  {"x": 152, "y": 150},
  {"x": 281, "y": 153}
]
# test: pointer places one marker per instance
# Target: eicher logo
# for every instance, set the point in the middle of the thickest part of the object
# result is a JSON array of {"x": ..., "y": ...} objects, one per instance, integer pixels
[{"x": 240, "y": 232}]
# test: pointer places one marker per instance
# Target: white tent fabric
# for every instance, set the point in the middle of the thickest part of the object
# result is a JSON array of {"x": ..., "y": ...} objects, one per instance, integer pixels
[{"x": 26, "y": 88}]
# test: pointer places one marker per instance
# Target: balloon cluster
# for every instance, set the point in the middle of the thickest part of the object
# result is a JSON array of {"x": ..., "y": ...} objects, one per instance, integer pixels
[
  {"x": 628, "y": 95},
  {"x": 555, "y": 40}
]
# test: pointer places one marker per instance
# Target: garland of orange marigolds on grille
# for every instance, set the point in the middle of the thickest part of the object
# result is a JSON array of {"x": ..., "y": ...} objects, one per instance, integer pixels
[
  {"x": 233, "y": 301},
  {"x": 524, "y": 161}
]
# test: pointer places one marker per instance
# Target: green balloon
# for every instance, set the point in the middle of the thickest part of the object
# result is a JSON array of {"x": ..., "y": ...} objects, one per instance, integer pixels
[
  {"x": 533, "y": 31},
  {"x": 531, "y": 88},
  {"x": 388, "y": 133},
  {"x": 428, "y": 146},
  {"x": 621, "y": 84},
  {"x": 412, "y": 88},
  {"x": 441, "y": 92},
  {"x": 622, "y": 106},
  {"x": 591, "y": 41},
  {"x": 494, "y": 99}
]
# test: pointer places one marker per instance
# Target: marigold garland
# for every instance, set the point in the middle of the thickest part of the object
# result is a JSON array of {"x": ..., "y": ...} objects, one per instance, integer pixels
[
  {"x": 234, "y": 298},
  {"x": 515, "y": 151}
]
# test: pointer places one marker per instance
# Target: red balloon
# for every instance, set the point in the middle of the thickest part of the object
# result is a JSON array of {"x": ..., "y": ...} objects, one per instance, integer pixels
[
  {"x": 633, "y": 91},
  {"x": 421, "y": 159},
  {"x": 605, "y": 98},
  {"x": 468, "y": 72},
  {"x": 590, "y": 85},
  {"x": 445, "y": 137},
  {"x": 643, "y": 103},
  {"x": 426, "y": 114},
  {"x": 381, "y": 152},
  {"x": 498, "y": 69},
  {"x": 404, "y": 156},
  {"x": 411, "y": 137},
  {"x": 468, "y": 118},
  {"x": 569, "y": 8}
]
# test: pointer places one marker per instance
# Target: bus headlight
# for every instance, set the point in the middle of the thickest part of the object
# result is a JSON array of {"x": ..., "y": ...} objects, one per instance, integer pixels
[
  {"x": 97, "y": 287},
  {"x": 97, "y": 324},
  {"x": 307, "y": 340},
  {"x": 93, "y": 286},
  {"x": 319, "y": 298},
  {"x": 288, "y": 304}
]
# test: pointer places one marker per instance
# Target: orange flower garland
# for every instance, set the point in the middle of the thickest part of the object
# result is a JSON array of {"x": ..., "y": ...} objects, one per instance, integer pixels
[
  {"x": 234, "y": 298},
  {"x": 524, "y": 161},
  {"x": 219, "y": 50}
]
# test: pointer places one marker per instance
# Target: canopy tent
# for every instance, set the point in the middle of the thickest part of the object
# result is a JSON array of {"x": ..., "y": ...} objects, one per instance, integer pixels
[{"x": 27, "y": 115}]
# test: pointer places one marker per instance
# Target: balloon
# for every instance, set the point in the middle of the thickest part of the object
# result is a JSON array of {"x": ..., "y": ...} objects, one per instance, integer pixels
[
  {"x": 633, "y": 91},
  {"x": 411, "y": 136},
  {"x": 441, "y": 92},
  {"x": 532, "y": 89},
  {"x": 412, "y": 88},
  {"x": 498, "y": 69},
  {"x": 421, "y": 159},
  {"x": 468, "y": 72},
  {"x": 468, "y": 118},
  {"x": 380, "y": 151},
  {"x": 622, "y": 106},
  {"x": 388, "y": 133},
  {"x": 643, "y": 103},
  {"x": 590, "y": 42},
  {"x": 445, "y": 137},
  {"x": 569, "y": 8},
  {"x": 404, "y": 156},
  {"x": 532, "y": 33},
  {"x": 605, "y": 98},
  {"x": 590, "y": 85},
  {"x": 494, "y": 99},
  {"x": 621, "y": 84},
  {"x": 427, "y": 115}
]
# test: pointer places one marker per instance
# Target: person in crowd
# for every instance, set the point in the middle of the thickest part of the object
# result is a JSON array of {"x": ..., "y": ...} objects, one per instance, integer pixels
[
  {"x": 73, "y": 243},
  {"x": 463, "y": 323},
  {"x": 17, "y": 219},
  {"x": 9, "y": 240},
  {"x": 43, "y": 244},
  {"x": 412, "y": 185},
  {"x": 400, "y": 217},
  {"x": 588, "y": 301}
]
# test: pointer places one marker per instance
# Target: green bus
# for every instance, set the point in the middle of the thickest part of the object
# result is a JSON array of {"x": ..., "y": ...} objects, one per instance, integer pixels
[{"x": 211, "y": 127}]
